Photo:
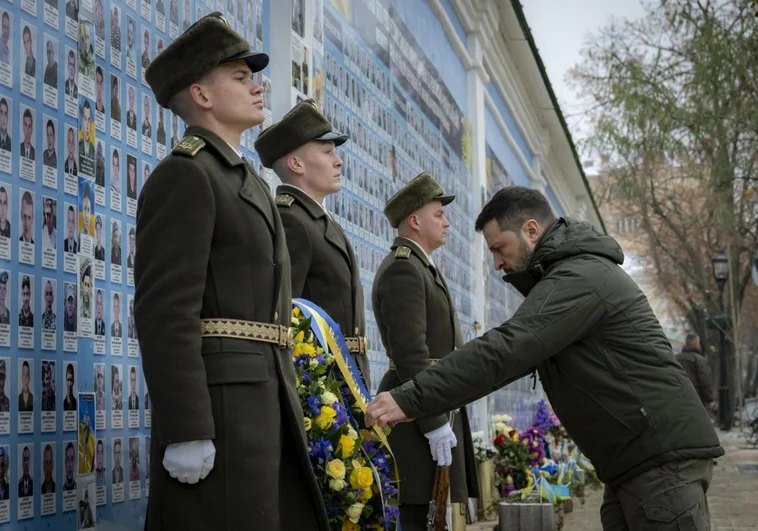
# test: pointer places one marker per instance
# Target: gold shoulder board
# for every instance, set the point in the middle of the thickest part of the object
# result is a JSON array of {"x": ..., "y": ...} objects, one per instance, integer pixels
[
  {"x": 284, "y": 200},
  {"x": 403, "y": 252},
  {"x": 189, "y": 146}
]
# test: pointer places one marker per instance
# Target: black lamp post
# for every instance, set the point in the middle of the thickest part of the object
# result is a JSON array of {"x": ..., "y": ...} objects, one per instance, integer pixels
[{"x": 720, "y": 264}]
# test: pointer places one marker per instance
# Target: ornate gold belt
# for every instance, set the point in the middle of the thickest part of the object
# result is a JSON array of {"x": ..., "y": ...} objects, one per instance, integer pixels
[
  {"x": 357, "y": 345},
  {"x": 251, "y": 330},
  {"x": 432, "y": 361}
]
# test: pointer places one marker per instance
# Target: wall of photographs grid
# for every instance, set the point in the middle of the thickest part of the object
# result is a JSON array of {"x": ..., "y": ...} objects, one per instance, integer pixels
[
  {"x": 374, "y": 81},
  {"x": 79, "y": 134}
]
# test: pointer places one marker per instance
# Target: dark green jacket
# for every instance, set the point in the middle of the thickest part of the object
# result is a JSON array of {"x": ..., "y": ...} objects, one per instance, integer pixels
[
  {"x": 418, "y": 322},
  {"x": 603, "y": 359},
  {"x": 696, "y": 367},
  {"x": 324, "y": 268},
  {"x": 210, "y": 244}
]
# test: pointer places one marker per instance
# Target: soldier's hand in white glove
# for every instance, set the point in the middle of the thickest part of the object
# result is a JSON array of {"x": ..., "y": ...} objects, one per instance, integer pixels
[
  {"x": 441, "y": 442},
  {"x": 189, "y": 462}
]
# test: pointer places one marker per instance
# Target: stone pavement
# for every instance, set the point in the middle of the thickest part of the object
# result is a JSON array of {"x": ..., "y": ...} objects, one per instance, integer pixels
[{"x": 732, "y": 495}]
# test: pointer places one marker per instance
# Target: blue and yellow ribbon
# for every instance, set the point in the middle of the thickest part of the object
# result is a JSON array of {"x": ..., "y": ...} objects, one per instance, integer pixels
[{"x": 331, "y": 339}]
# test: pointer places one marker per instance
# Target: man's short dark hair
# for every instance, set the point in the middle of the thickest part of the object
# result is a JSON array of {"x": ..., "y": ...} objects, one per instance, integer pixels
[
  {"x": 690, "y": 338},
  {"x": 513, "y": 206}
]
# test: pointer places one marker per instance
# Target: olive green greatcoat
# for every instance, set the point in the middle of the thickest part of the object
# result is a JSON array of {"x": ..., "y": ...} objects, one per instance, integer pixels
[
  {"x": 325, "y": 270},
  {"x": 417, "y": 322},
  {"x": 210, "y": 244}
]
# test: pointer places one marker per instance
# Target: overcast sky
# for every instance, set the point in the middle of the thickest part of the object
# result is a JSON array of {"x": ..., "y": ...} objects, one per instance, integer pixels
[{"x": 561, "y": 30}]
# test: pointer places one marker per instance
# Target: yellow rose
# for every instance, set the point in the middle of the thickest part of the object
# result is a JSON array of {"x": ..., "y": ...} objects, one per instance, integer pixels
[
  {"x": 328, "y": 398},
  {"x": 307, "y": 423},
  {"x": 352, "y": 433},
  {"x": 357, "y": 463},
  {"x": 335, "y": 469},
  {"x": 345, "y": 447},
  {"x": 296, "y": 312},
  {"x": 366, "y": 496},
  {"x": 300, "y": 336},
  {"x": 354, "y": 512},
  {"x": 361, "y": 478},
  {"x": 297, "y": 350},
  {"x": 337, "y": 484},
  {"x": 365, "y": 435},
  {"x": 347, "y": 525},
  {"x": 325, "y": 418},
  {"x": 308, "y": 349}
]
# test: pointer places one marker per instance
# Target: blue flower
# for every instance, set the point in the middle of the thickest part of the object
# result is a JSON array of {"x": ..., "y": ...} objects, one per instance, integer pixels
[
  {"x": 342, "y": 416},
  {"x": 307, "y": 378},
  {"x": 320, "y": 450},
  {"x": 314, "y": 403},
  {"x": 391, "y": 512}
]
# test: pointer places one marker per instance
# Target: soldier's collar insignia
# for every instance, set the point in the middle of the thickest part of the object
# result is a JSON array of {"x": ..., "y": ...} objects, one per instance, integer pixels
[
  {"x": 284, "y": 200},
  {"x": 189, "y": 146},
  {"x": 403, "y": 252}
]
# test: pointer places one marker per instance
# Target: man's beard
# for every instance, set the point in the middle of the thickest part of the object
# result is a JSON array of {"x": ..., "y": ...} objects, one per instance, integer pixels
[{"x": 524, "y": 256}]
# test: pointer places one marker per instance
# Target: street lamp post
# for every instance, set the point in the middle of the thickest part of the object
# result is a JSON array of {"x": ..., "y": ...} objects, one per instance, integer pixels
[{"x": 720, "y": 264}]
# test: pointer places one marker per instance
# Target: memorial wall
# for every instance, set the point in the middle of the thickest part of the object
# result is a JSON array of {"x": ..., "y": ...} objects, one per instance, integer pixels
[{"x": 80, "y": 133}]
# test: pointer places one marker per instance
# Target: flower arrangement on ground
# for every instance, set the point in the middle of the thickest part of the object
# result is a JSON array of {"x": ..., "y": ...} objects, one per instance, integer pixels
[{"x": 354, "y": 467}]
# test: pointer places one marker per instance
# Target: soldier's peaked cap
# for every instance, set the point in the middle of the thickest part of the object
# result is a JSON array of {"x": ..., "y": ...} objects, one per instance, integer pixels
[
  {"x": 206, "y": 44},
  {"x": 299, "y": 126},
  {"x": 421, "y": 190}
]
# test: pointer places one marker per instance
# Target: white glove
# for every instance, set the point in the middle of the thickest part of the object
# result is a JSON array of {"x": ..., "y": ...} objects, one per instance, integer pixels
[
  {"x": 441, "y": 442},
  {"x": 189, "y": 462}
]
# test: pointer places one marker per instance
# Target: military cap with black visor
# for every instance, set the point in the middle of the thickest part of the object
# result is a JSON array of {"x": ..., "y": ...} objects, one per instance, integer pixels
[
  {"x": 206, "y": 44},
  {"x": 325, "y": 270},
  {"x": 304, "y": 123},
  {"x": 421, "y": 190},
  {"x": 212, "y": 306}
]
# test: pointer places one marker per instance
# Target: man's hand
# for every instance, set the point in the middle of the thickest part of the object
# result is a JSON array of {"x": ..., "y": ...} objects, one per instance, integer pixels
[
  {"x": 189, "y": 462},
  {"x": 441, "y": 442},
  {"x": 384, "y": 411}
]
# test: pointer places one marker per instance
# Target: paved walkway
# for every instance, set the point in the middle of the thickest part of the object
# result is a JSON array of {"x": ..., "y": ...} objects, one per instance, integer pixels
[{"x": 731, "y": 498}]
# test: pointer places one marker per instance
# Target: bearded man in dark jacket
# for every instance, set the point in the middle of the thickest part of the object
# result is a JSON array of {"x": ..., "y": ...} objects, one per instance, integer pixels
[{"x": 607, "y": 367}]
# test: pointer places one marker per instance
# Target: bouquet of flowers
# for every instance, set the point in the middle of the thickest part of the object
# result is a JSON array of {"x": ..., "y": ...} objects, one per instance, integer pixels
[
  {"x": 354, "y": 467},
  {"x": 482, "y": 451}
]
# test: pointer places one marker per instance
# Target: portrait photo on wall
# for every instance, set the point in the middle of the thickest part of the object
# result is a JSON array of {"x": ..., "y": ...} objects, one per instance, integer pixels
[
  {"x": 86, "y": 59},
  {"x": 50, "y": 79},
  {"x": 48, "y": 385},
  {"x": 86, "y": 433},
  {"x": 71, "y": 242},
  {"x": 86, "y": 221},
  {"x": 71, "y": 166},
  {"x": 86, "y": 139},
  {"x": 5, "y": 386},
  {"x": 69, "y": 375},
  {"x": 6, "y": 47},
  {"x": 50, "y": 155},
  {"x": 69, "y": 315},
  {"x": 49, "y": 311},
  {"x": 49, "y": 226},
  {"x": 5, "y": 472}
]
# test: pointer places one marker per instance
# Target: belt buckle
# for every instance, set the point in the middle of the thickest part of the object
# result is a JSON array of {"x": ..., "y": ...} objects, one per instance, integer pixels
[{"x": 286, "y": 339}]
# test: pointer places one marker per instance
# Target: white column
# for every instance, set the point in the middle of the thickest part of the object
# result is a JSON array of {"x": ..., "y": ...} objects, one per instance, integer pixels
[
  {"x": 280, "y": 56},
  {"x": 477, "y": 79}
]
